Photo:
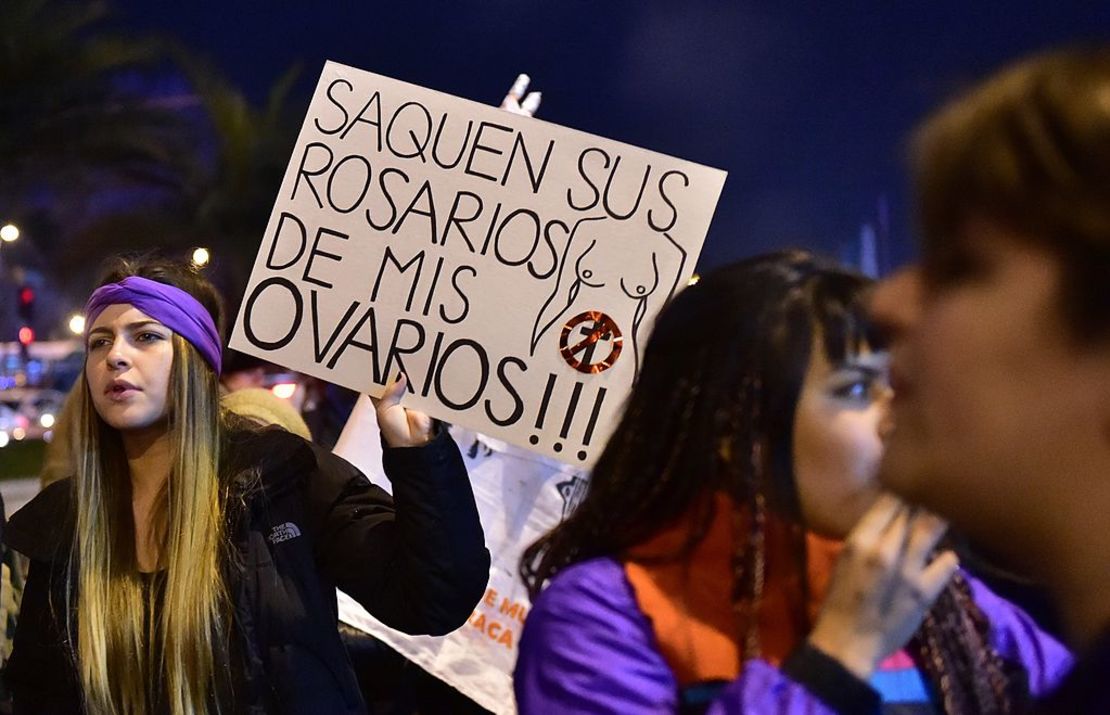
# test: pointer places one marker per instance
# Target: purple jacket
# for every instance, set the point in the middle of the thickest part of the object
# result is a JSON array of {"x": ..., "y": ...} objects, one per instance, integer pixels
[{"x": 587, "y": 647}]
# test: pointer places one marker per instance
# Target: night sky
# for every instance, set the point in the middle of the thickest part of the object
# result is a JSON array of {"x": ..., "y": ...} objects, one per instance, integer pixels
[{"x": 807, "y": 105}]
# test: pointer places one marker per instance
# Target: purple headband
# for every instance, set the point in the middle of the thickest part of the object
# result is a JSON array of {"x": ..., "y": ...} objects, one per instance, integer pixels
[{"x": 169, "y": 305}]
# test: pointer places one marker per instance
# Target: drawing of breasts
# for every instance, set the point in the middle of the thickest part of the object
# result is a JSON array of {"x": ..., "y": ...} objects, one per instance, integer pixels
[
  {"x": 619, "y": 268},
  {"x": 612, "y": 259}
]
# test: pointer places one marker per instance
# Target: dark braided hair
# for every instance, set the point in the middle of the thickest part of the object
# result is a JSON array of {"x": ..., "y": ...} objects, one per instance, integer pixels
[
  {"x": 713, "y": 410},
  {"x": 953, "y": 647}
]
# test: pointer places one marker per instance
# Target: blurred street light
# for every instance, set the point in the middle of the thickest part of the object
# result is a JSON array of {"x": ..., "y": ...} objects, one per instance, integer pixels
[
  {"x": 201, "y": 256},
  {"x": 77, "y": 324},
  {"x": 284, "y": 390},
  {"x": 9, "y": 232}
]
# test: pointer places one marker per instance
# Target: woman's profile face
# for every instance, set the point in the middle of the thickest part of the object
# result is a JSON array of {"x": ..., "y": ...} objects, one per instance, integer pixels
[
  {"x": 127, "y": 366},
  {"x": 837, "y": 447}
]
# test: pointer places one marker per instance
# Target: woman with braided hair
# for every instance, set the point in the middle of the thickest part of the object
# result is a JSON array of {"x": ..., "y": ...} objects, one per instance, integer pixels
[{"x": 734, "y": 553}]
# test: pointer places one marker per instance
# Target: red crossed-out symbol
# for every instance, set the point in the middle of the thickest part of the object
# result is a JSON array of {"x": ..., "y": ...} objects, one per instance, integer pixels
[{"x": 580, "y": 353}]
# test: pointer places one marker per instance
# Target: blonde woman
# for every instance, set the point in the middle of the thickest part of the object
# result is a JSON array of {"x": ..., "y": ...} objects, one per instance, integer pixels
[{"x": 190, "y": 564}]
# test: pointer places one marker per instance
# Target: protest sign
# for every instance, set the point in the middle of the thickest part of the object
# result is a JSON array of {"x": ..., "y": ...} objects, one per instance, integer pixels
[{"x": 509, "y": 267}]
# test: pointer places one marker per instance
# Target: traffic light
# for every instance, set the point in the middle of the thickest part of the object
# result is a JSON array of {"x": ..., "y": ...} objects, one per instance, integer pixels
[
  {"x": 26, "y": 337},
  {"x": 25, "y": 299},
  {"x": 25, "y": 308}
]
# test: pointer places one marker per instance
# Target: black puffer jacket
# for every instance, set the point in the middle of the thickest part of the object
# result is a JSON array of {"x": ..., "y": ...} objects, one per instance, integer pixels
[{"x": 302, "y": 523}]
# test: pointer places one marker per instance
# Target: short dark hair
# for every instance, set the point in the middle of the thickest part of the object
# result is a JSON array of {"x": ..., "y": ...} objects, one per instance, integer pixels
[{"x": 1029, "y": 149}]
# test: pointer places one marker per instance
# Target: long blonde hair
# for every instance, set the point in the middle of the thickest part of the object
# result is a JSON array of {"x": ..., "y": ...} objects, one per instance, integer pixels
[{"x": 124, "y": 659}]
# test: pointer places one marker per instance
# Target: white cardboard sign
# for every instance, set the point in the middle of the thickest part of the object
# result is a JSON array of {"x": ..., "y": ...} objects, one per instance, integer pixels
[{"x": 510, "y": 267}]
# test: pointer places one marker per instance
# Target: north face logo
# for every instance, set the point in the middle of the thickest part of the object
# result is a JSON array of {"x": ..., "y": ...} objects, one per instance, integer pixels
[
  {"x": 572, "y": 491},
  {"x": 284, "y": 532}
]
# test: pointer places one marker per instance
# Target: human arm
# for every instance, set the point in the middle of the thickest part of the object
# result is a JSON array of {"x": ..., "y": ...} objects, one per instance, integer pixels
[
  {"x": 418, "y": 562},
  {"x": 886, "y": 579},
  {"x": 587, "y": 647},
  {"x": 39, "y": 675},
  {"x": 808, "y": 683}
]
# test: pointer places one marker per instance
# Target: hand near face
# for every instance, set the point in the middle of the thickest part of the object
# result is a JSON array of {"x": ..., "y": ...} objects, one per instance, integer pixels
[
  {"x": 885, "y": 581},
  {"x": 401, "y": 426}
]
